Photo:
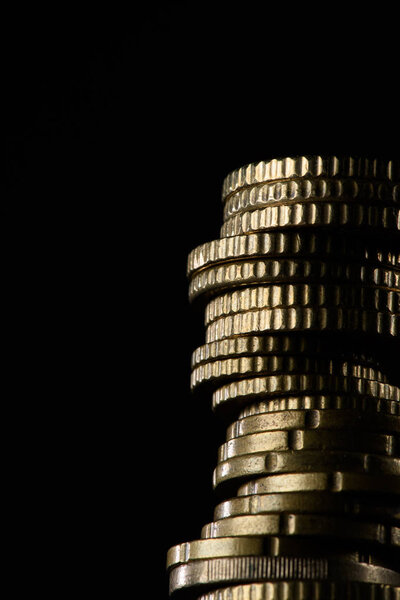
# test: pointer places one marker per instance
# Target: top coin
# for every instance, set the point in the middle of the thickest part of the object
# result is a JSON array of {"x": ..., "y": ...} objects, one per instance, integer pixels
[{"x": 310, "y": 166}]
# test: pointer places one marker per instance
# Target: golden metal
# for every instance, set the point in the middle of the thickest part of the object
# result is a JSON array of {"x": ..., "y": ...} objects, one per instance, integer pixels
[
  {"x": 313, "y": 214},
  {"x": 306, "y": 590},
  {"x": 289, "y": 524},
  {"x": 306, "y": 439},
  {"x": 228, "y": 276},
  {"x": 335, "y": 482},
  {"x": 284, "y": 244},
  {"x": 308, "y": 189},
  {"x": 301, "y": 298},
  {"x": 309, "y": 502},
  {"x": 285, "y": 295},
  {"x": 230, "y": 368},
  {"x": 242, "y": 391},
  {"x": 310, "y": 166}
]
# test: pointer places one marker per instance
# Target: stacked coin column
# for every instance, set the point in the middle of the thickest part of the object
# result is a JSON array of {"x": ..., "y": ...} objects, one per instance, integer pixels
[{"x": 302, "y": 314}]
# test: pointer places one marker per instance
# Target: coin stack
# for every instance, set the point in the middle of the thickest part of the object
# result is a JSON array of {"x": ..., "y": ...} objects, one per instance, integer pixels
[{"x": 301, "y": 295}]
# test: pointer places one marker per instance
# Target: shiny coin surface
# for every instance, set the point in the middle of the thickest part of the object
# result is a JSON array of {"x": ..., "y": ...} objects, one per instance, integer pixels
[
  {"x": 285, "y": 244},
  {"x": 340, "y": 402},
  {"x": 222, "y": 571},
  {"x": 321, "y": 319},
  {"x": 317, "y": 502},
  {"x": 305, "y": 590},
  {"x": 278, "y": 344},
  {"x": 305, "y": 525},
  {"x": 336, "y": 482},
  {"x": 213, "y": 372},
  {"x": 244, "y": 391},
  {"x": 247, "y": 466},
  {"x": 311, "y": 189},
  {"x": 300, "y": 439},
  {"x": 310, "y": 166},
  {"x": 344, "y": 215},
  {"x": 228, "y": 276},
  {"x": 314, "y": 419},
  {"x": 286, "y": 295}
]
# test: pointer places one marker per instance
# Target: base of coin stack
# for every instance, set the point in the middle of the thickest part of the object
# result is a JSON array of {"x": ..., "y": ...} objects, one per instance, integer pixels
[{"x": 301, "y": 357}]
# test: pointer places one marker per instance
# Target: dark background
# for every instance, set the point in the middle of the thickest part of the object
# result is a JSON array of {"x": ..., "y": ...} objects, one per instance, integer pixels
[{"x": 120, "y": 130}]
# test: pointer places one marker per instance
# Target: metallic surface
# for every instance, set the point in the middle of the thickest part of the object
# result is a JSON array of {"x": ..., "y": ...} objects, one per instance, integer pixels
[{"x": 301, "y": 300}]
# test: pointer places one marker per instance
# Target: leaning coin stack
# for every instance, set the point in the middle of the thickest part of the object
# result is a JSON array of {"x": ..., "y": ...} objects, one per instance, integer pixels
[{"x": 301, "y": 358}]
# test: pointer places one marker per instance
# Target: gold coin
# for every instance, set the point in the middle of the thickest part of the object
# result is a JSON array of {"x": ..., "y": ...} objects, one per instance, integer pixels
[
  {"x": 276, "y": 244},
  {"x": 358, "y": 403},
  {"x": 313, "y": 420},
  {"x": 244, "y": 390},
  {"x": 321, "y": 319},
  {"x": 304, "y": 525},
  {"x": 335, "y": 482},
  {"x": 228, "y": 276},
  {"x": 305, "y": 590},
  {"x": 288, "y": 295},
  {"x": 219, "y": 571},
  {"x": 200, "y": 549},
  {"x": 310, "y": 166},
  {"x": 316, "y": 502},
  {"x": 230, "y": 546},
  {"x": 309, "y": 189},
  {"x": 216, "y": 371},
  {"x": 276, "y": 344},
  {"x": 232, "y": 470},
  {"x": 300, "y": 439},
  {"x": 312, "y": 214}
]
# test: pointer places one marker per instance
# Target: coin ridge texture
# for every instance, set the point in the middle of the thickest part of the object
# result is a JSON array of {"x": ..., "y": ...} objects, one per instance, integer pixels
[
  {"x": 306, "y": 189},
  {"x": 305, "y": 590},
  {"x": 299, "y": 361},
  {"x": 308, "y": 502},
  {"x": 246, "y": 390},
  {"x": 271, "y": 568},
  {"x": 335, "y": 482},
  {"x": 274, "y": 244},
  {"x": 310, "y": 166},
  {"x": 303, "y": 524},
  {"x": 313, "y": 214},
  {"x": 229, "y": 368},
  {"x": 227, "y": 276},
  {"x": 303, "y": 294}
]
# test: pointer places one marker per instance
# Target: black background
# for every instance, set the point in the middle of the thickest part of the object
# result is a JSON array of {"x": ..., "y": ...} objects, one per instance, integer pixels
[{"x": 121, "y": 128}]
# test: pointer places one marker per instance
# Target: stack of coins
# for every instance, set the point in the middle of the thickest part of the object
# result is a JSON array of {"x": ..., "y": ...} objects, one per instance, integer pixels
[{"x": 301, "y": 297}]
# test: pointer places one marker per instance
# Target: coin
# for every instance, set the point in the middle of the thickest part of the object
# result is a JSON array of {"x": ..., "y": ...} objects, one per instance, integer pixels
[
  {"x": 244, "y": 391},
  {"x": 285, "y": 295},
  {"x": 256, "y": 545},
  {"x": 317, "y": 502},
  {"x": 310, "y": 166},
  {"x": 300, "y": 439},
  {"x": 311, "y": 189},
  {"x": 232, "y": 470},
  {"x": 304, "y": 319},
  {"x": 359, "y": 403},
  {"x": 314, "y": 419},
  {"x": 228, "y": 276},
  {"x": 222, "y": 571},
  {"x": 305, "y": 590},
  {"x": 336, "y": 482},
  {"x": 289, "y": 244},
  {"x": 348, "y": 216},
  {"x": 216, "y": 371},
  {"x": 304, "y": 525},
  {"x": 200, "y": 549},
  {"x": 278, "y": 344}
]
